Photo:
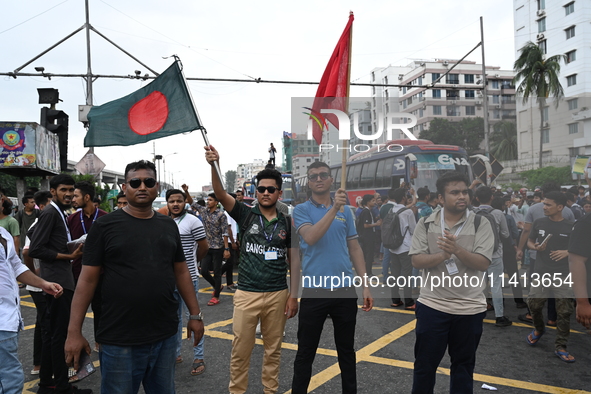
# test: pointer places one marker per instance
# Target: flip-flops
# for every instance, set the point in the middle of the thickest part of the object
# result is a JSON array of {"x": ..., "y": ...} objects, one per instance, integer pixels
[
  {"x": 563, "y": 355},
  {"x": 213, "y": 301},
  {"x": 535, "y": 338},
  {"x": 197, "y": 365},
  {"x": 396, "y": 304}
]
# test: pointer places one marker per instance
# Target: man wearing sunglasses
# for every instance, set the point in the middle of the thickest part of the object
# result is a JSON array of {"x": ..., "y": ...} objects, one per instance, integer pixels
[
  {"x": 328, "y": 241},
  {"x": 266, "y": 254},
  {"x": 141, "y": 255}
]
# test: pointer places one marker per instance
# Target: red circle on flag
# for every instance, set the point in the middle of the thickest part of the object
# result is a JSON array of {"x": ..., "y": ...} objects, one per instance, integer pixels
[{"x": 148, "y": 115}]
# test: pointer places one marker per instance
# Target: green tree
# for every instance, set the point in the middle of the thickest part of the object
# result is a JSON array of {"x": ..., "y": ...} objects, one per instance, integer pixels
[
  {"x": 559, "y": 175},
  {"x": 8, "y": 183},
  {"x": 503, "y": 141},
  {"x": 468, "y": 133},
  {"x": 539, "y": 78},
  {"x": 230, "y": 180}
]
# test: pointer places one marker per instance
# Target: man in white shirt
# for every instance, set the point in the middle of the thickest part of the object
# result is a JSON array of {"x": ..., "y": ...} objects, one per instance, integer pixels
[{"x": 400, "y": 261}]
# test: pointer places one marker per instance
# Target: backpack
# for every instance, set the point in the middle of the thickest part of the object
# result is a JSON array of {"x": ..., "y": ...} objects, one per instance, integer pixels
[
  {"x": 392, "y": 236},
  {"x": 487, "y": 213}
]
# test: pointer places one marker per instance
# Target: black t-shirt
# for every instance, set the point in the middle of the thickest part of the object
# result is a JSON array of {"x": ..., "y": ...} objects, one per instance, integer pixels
[
  {"x": 580, "y": 243},
  {"x": 138, "y": 257},
  {"x": 560, "y": 236},
  {"x": 365, "y": 234}
]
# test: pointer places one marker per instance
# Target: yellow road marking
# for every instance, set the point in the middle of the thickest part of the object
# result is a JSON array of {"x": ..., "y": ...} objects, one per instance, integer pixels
[{"x": 32, "y": 385}]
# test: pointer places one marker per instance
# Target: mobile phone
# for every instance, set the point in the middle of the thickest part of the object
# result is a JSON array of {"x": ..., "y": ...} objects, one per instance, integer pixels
[{"x": 546, "y": 239}]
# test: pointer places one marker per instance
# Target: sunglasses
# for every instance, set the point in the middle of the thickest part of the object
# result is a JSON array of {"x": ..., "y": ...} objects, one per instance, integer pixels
[
  {"x": 271, "y": 189},
  {"x": 323, "y": 175},
  {"x": 136, "y": 182}
]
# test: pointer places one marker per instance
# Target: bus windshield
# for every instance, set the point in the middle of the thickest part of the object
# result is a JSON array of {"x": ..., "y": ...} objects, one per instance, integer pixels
[{"x": 431, "y": 166}]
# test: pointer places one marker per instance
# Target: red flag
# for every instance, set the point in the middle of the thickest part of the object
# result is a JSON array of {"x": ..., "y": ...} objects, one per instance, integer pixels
[{"x": 334, "y": 82}]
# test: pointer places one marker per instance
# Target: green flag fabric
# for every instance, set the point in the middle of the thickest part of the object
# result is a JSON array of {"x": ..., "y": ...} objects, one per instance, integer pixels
[{"x": 157, "y": 110}]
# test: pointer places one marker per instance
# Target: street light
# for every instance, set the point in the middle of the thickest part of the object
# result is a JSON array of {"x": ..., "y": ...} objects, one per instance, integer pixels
[{"x": 164, "y": 163}]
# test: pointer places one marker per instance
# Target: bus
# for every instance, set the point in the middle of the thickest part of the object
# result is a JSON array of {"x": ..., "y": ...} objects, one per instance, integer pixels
[
  {"x": 416, "y": 162},
  {"x": 288, "y": 191}
]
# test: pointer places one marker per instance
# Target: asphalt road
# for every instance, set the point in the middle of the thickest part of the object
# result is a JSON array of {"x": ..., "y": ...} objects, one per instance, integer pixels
[{"x": 384, "y": 343}]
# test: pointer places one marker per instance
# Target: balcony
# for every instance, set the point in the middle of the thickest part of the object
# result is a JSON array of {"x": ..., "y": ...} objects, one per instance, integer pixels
[{"x": 507, "y": 88}]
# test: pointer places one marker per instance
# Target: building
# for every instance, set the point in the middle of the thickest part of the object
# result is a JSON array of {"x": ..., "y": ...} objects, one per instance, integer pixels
[
  {"x": 456, "y": 96},
  {"x": 558, "y": 27},
  {"x": 245, "y": 172}
]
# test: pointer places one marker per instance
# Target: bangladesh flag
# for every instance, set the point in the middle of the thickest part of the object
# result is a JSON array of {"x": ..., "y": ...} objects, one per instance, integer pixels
[{"x": 157, "y": 110}]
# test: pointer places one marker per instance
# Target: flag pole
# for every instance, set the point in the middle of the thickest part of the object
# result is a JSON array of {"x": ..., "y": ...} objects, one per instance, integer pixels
[
  {"x": 346, "y": 142},
  {"x": 201, "y": 128}
]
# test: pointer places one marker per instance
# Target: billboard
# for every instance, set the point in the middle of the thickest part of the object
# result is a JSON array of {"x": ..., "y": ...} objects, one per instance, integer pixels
[{"x": 26, "y": 148}]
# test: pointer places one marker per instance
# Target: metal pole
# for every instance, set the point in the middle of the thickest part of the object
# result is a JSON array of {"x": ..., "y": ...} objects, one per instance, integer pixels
[
  {"x": 88, "y": 62},
  {"x": 484, "y": 93}
]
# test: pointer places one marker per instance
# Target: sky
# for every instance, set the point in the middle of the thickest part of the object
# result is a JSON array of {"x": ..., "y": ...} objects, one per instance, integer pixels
[{"x": 231, "y": 39}]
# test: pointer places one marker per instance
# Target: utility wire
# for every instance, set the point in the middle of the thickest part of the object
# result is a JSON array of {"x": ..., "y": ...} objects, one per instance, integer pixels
[{"x": 33, "y": 17}]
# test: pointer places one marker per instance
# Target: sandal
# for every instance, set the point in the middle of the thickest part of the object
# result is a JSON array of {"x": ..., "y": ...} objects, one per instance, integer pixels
[
  {"x": 564, "y": 355},
  {"x": 213, "y": 301},
  {"x": 179, "y": 360},
  {"x": 534, "y": 338},
  {"x": 411, "y": 307},
  {"x": 396, "y": 304},
  {"x": 196, "y": 365}
]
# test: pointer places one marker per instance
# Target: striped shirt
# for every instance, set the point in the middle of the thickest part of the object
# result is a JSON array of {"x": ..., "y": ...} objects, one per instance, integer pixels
[{"x": 191, "y": 230}]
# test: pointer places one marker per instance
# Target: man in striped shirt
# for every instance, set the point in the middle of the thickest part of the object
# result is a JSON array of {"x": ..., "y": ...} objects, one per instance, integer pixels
[{"x": 194, "y": 244}]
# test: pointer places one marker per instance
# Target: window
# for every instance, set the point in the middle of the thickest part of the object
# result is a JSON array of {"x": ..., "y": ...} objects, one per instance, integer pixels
[
  {"x": 437, "y": 110},
  {"x": 573, "y": 152},
  {"x": 545, "y": 136},
  {"x": 573, "y": 128},
  {"x": 569, "y": 8},
  {"x": 496, "y": 99},
  {"x": 384, "y": 173},
  {"x": 541, "y": 4},
  {"x": 368, "y": 174},
  {"x": 453, "y": 79},
  {"x": 573, "y": 104},
  {"x": 373, "y": 90},
  {"x": 495, "y": 84},
  {"x": 571, "y": 56},
  {"x": 469, "y": 94},
  {"x": 543, "y": 47},
  {"x": 420, "y": 81},
  {"x": 469, "y": 78},
  {"x": 570, "y": 32},
  {"x": 337, "y": 178},
  {"x": 385, "y": 80},
  {"x": 373, "y": 76},
  {"x": 471, "y": 110},
  {"x": 571, "y": 80},
  {"x": 421, "y": 113},
  {"x": 404, "y": 90},
  {"x": 353, "y": 176},
  {"x": 545, "y": 114},
  {"x": 435, "y": 76},
  {"x": 542, "y": 25},
  {"x": 436, "y": 93}
]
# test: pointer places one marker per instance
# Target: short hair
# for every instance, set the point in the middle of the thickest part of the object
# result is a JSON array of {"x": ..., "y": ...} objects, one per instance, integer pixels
[
  {"x": 484, "y": 194},
  {"x": 175, "y": 191},
  {"x": 233, "y": 195},
  {"x": 26, "y": 198},
  {"x": 391, "y": 194},
  {"x": 422, "y": 192},
  {"x": 586, "y": 202},
  {"x": 121, "y": 194},
  {"x": 97, "y": 199},
  {"x": 61, "y": 179},
  {"x": 399, "y": 194},
  {"x": 86, "y": 188},
  {"x": 140, "y": 165},
  {"x": 569, "y": 196},
  {"x": 318, "y": 164},
  {"x": 384, "y": 197},
  {"x": 550, "y": 187},
  {"x": 432, "y": 196},
  {"x": 558, "y": 197},
  {"x": 42, "y": 197},
  {"x": 212, "y": 195},
  {"x": 7, "y": 206},
  {"x": 367, "y": 198},
  {"x": 201, "y": 202},
  {"x": 270, "y": 173},
  {"x": 239, "y": 191},
  {"x": 538, "y": 194},
  {"x": 498, "y": 203},
  {"x": 449, "y": 177}
]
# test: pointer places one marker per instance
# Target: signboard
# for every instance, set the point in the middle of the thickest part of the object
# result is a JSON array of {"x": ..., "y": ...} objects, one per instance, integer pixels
[
  {"x": 26, "y": 148},
  {"x": 90, "y": 164},
  {"x": 580, "y": 165},
  {"x": 480, "y": 171}
]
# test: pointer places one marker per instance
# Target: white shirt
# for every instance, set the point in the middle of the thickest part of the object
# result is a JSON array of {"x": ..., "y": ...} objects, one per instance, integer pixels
[
  {"x": 10, "y": 267},
  {"x": 233, "y": 225},
  {"x": 407, "y": 224},
  {"x": 35, "y": 261}
]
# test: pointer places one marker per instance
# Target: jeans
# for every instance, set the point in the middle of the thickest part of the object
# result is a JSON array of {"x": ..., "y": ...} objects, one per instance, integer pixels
[
  {"x": 401, "y": 266},
  {"x": 12, "y": 377},
  {"x": 40, "y": 306},
  {"x": 213, "y": 260},
  {"x": 436, "y": 331},
  {"x": 496, "y": 270},
  {"x": 197, "y": 350},
  {"x": 313, "y": 313},
  {"x": 123, "y": 368}
]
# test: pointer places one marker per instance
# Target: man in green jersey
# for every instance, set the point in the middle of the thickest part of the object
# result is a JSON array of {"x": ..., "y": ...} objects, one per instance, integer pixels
[{"x": 265, "y": 256}]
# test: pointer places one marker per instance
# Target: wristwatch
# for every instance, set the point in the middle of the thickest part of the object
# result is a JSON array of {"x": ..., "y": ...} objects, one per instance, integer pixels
[
  {"x": 226, "y": 248},
  {"x": 196, "y": 317}
]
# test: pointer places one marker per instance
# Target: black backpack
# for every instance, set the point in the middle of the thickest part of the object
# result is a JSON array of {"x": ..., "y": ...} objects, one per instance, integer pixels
[
  {"x": 487, "y": 213},
  {"x": 392, "y": 236}
]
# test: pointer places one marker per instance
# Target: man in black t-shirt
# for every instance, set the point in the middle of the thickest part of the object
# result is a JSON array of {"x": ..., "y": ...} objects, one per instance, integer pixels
[
  {"x": 551, "y": 274},
  {"x": 141, "y": 254},
  {"x": 579, "y": 256},
  {"x": 366, "y": 229}
]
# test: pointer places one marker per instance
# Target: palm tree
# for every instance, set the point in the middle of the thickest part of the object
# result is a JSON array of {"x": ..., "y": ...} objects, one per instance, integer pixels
[
  {"x": 504, "y": 141},
  {"x": 539, "y": 78}
]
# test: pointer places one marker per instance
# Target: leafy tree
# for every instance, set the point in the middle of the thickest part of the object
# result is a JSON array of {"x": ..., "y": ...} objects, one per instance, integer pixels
[
  {"x": 504, "y": 141},
  {"x": 560, "y": 175},
  {"x": 539, "y": 78},
  {"x": 8, "y": 183},
  {"x": 230, "y": 180},
  {"x": 468, "y": 133}
]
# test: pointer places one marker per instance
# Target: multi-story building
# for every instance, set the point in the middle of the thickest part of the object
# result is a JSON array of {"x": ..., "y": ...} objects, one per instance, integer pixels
[
  {"x": 303, "y": 152},
  {"x": 245, "y": 172},
  {"x": 558, "y": 28}
]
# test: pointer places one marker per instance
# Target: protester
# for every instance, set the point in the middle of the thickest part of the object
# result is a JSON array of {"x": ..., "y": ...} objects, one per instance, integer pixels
[
  {"x": 272, "y": 153},
  {"x": 579, "y": 256},
  {"x": 366, "y": 230},
  {"x": 8, "y": 222},
  {"x": 26, "y": 217},
  {"x": 121, "y": 200}
]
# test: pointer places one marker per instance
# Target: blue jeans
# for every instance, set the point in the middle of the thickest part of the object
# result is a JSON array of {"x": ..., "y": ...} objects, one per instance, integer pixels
[
  {"x": 12, "y": 377},
  {"x": 123, "y": 368},
  {"x": 496, "y": 269},
  {"x": 197, "y": 350},
  {"x": 436, "y": 331}
]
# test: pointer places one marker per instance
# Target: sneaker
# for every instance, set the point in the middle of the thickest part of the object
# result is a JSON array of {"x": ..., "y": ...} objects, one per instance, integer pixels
[
  {"x": 503, "y": 322},
  {"x": 76, "y": 390}
]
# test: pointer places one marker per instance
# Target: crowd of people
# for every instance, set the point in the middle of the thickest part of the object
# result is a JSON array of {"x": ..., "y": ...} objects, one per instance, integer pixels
[{"x": 150, "y": 278}]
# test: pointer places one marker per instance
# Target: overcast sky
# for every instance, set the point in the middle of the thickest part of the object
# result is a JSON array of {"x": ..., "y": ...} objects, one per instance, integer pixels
[{"x": 232, "y": 39}]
